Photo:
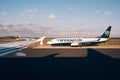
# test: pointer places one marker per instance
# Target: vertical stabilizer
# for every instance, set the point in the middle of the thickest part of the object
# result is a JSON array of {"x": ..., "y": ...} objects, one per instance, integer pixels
[{"x": 106, "y": 34}]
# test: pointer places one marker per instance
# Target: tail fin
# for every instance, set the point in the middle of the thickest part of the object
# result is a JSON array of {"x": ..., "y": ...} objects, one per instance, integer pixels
[
  {"x": 41, "y": 40},
  {"x": 106, "y": 34}
]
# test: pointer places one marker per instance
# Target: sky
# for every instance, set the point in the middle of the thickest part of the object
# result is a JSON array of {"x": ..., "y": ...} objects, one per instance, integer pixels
[{"x": 59, "y": 18}]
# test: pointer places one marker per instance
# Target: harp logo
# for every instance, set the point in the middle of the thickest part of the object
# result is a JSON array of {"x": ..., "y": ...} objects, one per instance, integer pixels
[{"x": 107, "y": 33}]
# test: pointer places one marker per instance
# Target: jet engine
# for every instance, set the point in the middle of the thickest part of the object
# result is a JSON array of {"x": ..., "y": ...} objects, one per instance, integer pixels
[{"x": 75, "y": 44}]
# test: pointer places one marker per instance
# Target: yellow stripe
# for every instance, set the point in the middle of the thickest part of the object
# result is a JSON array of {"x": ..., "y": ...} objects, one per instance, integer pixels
[{"x": 107, "y": 33}]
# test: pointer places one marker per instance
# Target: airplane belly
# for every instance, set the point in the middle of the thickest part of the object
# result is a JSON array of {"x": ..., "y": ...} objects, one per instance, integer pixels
[{"x": 61, "y": 44}]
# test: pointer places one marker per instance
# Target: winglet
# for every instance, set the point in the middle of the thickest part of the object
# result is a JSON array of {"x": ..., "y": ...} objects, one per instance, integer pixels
[{"x": 41, "y": 40}]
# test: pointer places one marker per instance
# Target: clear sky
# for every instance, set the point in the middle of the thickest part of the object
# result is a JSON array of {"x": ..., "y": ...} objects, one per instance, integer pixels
[{"x": 59, "y": 18}]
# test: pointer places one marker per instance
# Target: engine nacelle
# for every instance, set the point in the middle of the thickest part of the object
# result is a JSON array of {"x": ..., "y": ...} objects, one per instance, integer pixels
[{"x": 75, "y": 44}]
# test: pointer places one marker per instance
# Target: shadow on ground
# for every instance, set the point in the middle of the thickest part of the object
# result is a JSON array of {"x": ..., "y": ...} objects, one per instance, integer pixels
[{"x": 95, "y": 66}]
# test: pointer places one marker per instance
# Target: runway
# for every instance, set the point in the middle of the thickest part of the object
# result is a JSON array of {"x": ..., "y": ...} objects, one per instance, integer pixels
[{"x": 42, "y": 51}]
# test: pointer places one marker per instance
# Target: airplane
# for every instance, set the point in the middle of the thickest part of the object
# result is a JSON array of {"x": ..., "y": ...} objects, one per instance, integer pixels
[
  {"x": 75, "y": 42},
  {"x": 24, "y": 38},
  {"x": 11, "y": 47}
]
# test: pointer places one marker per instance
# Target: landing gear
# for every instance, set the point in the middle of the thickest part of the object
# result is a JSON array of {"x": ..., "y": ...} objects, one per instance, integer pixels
[{"x": 81, "y": 44}]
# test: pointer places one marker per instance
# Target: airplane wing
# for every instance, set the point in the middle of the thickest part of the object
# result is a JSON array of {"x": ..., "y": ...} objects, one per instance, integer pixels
[{"x": 8, "y": 48}]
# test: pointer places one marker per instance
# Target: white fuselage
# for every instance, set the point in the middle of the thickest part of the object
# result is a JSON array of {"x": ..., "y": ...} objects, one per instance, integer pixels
[{"x": 75, "y": 40}]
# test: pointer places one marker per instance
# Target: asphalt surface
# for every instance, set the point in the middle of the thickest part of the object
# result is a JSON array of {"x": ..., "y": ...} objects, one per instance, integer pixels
[{"x": 42, "y": 51}]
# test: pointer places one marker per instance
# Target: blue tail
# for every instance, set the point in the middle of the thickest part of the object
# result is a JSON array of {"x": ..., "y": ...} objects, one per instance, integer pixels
[{"x": 106, "y": 34}]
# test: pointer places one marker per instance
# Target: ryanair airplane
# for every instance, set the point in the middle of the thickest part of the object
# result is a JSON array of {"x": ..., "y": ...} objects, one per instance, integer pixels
[{"x": 75, "y": 42}]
